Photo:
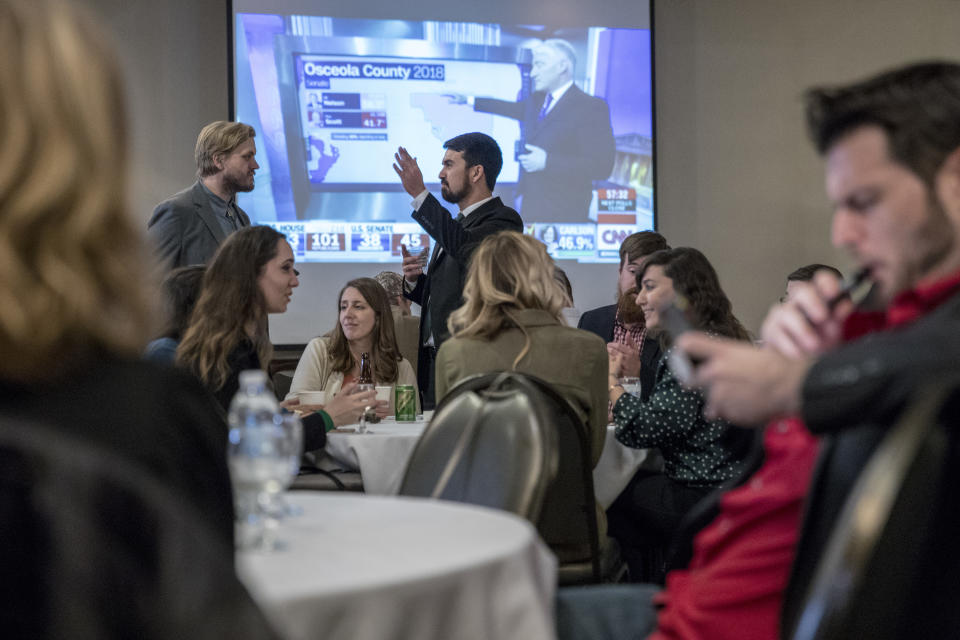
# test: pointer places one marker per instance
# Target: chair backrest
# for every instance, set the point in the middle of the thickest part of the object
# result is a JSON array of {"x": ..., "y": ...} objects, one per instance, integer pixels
[
  {"x": 889, "y": 568},
  {"x": 490, "y": 444},
  {"x": 93, "y": 546},
  {"x": 281, "y": 383},
  {"x": 568, "y": 519}
]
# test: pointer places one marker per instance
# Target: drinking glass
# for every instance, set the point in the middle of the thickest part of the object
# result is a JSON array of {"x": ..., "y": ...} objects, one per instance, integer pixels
[
  {"x": 362, "y": 424},
  {"x": 293, "y": 433},
  {"x": 631, "y": 385}
]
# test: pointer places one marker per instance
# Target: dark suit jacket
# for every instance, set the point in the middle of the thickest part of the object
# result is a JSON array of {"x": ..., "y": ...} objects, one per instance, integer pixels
[
  {"x": 600, "y": 321},
  {"x": 440, "y": 291},
  {"x": 852, "y": 396},
  {"x": 578, "y": 139},
  {"x": 184, "y": 229}
]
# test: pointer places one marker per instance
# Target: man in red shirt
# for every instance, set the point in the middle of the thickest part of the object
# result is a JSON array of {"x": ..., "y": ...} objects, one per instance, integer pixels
[{"x": 892, "y": 148}]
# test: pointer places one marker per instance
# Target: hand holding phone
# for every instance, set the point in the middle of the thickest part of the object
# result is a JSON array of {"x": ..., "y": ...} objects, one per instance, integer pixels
[{"x": 675, "y": 322}]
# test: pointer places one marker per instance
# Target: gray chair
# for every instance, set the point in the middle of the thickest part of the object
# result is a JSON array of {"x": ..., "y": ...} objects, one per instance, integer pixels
[
  {"x": 889, "y": 568},
  {"x": 281, "y": 383},
  {"x": 490, "y": 444},
  {"x": 568, "y": 521}
]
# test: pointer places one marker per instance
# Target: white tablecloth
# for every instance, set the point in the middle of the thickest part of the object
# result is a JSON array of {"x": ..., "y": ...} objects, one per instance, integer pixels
[
  {"x": 381, "y": 457},
  {"x": 365, "y": 567},
  {"x": 381, "y": 454},
  {"x": 617, "y": 465}
]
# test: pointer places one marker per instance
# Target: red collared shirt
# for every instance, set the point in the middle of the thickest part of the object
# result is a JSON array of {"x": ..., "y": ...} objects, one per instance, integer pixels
[{"x": 733, "y": 587}]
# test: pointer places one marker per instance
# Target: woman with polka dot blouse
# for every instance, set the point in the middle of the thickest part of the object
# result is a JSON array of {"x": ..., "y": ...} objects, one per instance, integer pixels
[{"x": 699, "y": 454}]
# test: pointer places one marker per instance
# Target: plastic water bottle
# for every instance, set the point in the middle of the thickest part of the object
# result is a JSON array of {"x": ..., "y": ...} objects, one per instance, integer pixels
[
  {"x": 256, "y": 445},
  {"x": 253, "y": 405},
  {"x": 259, "y": 463}
]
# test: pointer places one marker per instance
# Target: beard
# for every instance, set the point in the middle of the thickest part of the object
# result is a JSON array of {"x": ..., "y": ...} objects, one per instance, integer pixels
[
  {"x": 932, "y": 243},
  {"x": 451, "y": 196},
  {"x": 238, "y": 183},
  {"x": 627, "y": 307}
]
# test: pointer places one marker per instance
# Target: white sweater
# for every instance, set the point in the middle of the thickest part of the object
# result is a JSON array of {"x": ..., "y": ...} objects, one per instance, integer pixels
[{"x": 314, "y": 372}]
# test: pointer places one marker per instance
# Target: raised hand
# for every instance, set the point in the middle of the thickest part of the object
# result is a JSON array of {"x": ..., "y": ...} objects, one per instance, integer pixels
[{"x": 409, "y": 171}]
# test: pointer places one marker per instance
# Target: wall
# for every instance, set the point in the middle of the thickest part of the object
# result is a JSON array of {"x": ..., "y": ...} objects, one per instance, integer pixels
[{"x": 736, "y": 176}]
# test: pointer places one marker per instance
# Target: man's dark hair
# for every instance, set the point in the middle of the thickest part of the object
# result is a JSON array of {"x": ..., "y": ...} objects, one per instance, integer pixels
[
  {"x": 805, "y": 273},
  {"x": 918, "y": 107},
  {"x": 479, "y": 148},
  {"x": 640, "y": 244}
]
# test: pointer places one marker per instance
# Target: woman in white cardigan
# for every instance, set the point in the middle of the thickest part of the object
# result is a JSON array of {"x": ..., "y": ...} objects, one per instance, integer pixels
[{"x": 365, "y": 325}]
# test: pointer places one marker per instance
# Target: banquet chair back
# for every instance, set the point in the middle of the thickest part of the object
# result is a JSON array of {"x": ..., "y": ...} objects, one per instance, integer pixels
[
  {"x": 889, "y": 567},
  {"x": 490, "y": 444},
  {"x": 568, "y": 521},
  {"x": 95, "y": 547},
  {"x": 281, "y": 384}
]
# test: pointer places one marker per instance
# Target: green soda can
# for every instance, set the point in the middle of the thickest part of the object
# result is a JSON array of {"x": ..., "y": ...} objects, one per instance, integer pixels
[{"x": 406, "y": 403}]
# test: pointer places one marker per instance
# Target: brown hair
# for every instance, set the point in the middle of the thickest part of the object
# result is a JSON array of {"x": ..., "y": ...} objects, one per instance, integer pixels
[
  {"x": 72, "y": 271},
  {"x": 640, "y": 244},
  {"x": 219, "y": 138},
  {"x": 696, "y": 280},
  {"x": 385, "y": 354},
  {"x": 230, "y": 301},
  {"x": 917, "y": 106}
]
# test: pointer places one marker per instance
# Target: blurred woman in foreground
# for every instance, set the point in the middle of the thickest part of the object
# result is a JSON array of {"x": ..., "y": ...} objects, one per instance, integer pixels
[
  {"x": 251, "y": 275},
  {"x": 74, "y": 284}
]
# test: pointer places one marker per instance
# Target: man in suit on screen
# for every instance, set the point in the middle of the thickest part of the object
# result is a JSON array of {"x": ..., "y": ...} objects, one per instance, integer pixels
[
  {"x": 568, "y": 138},
  {"x": 471, "y": 164},
  {"x": 188, "y": 227}
]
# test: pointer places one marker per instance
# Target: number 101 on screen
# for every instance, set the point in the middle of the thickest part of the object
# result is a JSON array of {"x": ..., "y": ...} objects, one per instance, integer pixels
[{"x": 325, "y": 242}]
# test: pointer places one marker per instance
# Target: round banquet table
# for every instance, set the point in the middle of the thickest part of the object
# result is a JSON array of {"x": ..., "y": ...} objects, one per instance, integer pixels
[
  {"x": 381, "y": 457},
  {"x": 357, "y": 567}
]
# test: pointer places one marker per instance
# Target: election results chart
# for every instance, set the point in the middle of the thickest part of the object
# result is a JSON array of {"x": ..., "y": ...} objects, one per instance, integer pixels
[{"x": 357, "y": 108}]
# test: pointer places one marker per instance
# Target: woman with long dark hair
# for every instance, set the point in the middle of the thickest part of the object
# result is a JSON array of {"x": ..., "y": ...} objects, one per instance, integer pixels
[
  {"x": 251, "y": 275},
  {"x": 699, "y": 455},
  {"x": 364, "y": 325}
]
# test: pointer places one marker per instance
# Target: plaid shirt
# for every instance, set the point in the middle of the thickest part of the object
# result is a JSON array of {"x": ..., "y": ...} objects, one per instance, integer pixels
[{"x": 623, "y": 334}]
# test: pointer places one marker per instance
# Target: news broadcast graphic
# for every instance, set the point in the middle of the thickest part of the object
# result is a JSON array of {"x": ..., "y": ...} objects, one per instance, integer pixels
[{"x": 331, "y": 99}]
